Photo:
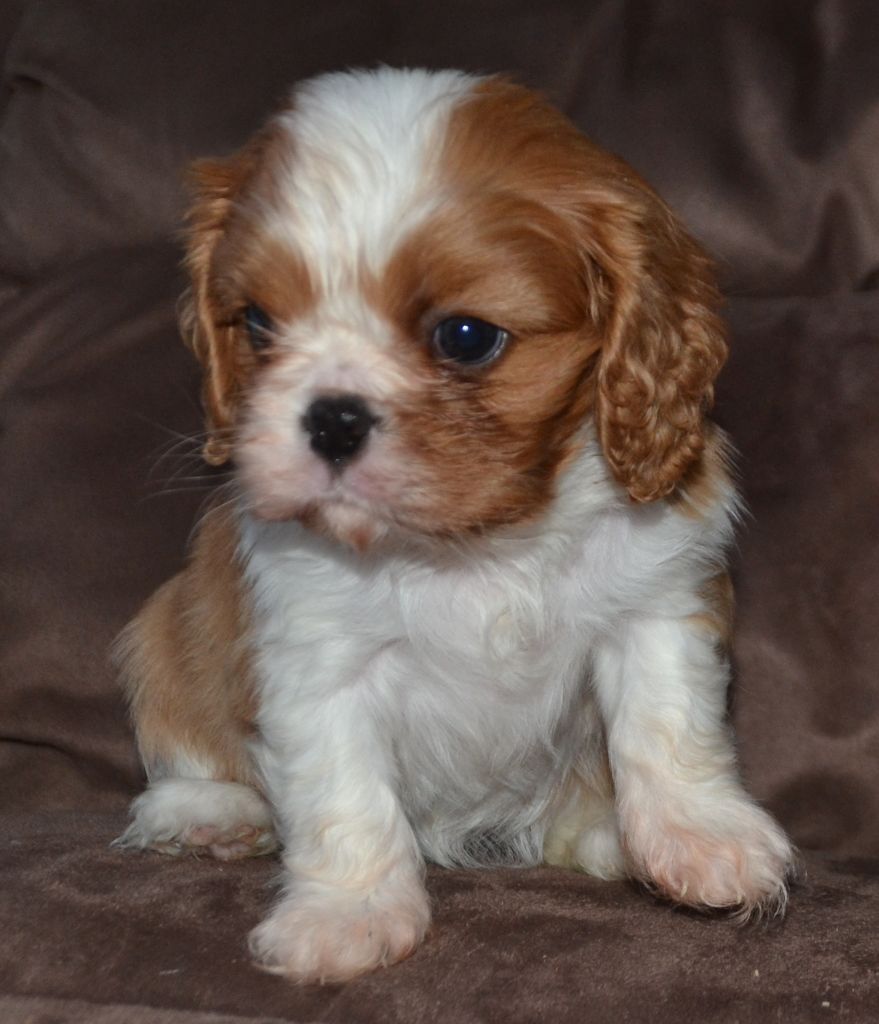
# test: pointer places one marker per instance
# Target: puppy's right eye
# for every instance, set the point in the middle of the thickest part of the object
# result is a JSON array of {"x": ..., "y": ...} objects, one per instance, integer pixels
[{"x": 259, "y": 326}]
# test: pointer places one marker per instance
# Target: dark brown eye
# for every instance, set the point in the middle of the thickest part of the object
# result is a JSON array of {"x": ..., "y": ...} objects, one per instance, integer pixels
[
  {"x": 468, "y": 340},
  {"x": 259, "y": 326}
]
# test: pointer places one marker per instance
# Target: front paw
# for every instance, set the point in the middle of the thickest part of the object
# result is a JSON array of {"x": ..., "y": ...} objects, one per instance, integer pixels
[
  {"x": 735, "y": 858},
  {"x": 317, "y": 934}
]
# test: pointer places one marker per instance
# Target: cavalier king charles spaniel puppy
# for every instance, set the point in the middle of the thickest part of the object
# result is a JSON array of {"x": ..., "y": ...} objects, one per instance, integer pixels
[{"x": 469, "y": 603}]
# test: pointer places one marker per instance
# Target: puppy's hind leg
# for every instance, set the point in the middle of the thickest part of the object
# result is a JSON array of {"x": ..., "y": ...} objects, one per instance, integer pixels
[
  {"x": 226, "y": 820},
  {"x": 186, "y": 675},
  {"x": 583, "y": 831}
]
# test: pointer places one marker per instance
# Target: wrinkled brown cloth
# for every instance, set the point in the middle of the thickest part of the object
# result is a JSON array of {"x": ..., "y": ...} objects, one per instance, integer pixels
[{"x": 760, "y": 123}]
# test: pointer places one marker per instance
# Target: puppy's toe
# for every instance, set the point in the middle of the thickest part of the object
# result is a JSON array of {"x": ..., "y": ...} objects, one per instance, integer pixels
[
  {"x": 236, "y": 843},
  {"x": 743, "y": 869}
]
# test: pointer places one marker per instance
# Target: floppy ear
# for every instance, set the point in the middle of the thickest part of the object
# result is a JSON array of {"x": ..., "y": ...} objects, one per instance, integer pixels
[
  {"x": 663, "y": 341},
  {"x": 215, "y": 186}
]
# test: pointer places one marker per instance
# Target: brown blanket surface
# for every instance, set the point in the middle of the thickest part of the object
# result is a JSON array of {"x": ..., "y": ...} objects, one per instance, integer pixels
[
  {"x": 758, "y": 121},
  {"x": 505, "y": 946}
]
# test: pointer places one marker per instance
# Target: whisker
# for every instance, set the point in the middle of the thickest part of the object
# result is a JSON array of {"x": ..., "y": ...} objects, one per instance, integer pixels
[
  {"x": 214, "y": 505},
  {"x": 168, "y": 492},
  {"x": 176, "y": 466},
  {"x": 182, "y": 479}
]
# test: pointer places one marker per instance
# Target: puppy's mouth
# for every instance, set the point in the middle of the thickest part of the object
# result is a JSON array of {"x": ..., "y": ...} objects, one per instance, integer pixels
[{"x": 279, "y": 499}]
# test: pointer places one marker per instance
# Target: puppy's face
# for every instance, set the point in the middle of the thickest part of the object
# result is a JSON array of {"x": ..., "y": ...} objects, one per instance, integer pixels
[{"x": 411, "y": 292}]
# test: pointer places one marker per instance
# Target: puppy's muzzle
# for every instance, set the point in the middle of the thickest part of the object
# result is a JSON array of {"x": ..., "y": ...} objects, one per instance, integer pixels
[{"x": 338, "y": 426}]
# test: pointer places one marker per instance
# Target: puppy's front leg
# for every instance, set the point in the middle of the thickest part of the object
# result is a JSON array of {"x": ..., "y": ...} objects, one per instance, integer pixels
[
  {"x": 354, "y": 898},
  {"x": 689, "y": 827}
]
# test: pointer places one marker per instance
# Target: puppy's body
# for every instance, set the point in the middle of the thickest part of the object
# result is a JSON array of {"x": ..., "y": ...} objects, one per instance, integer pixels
[{"x": 434, "y": 623}]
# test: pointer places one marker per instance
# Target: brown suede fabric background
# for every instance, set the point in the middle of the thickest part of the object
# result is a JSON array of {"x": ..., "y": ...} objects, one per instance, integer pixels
[{"x": 759, "y": 121}]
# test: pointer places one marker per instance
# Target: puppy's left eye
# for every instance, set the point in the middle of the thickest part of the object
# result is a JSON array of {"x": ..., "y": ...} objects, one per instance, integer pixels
[
  {"x": 468, "y": 340},
  {"x": 259, "y": 326}
]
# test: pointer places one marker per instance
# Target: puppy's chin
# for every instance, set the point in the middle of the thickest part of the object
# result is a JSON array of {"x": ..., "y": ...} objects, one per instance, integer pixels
[{"x": 350, "y": 525}]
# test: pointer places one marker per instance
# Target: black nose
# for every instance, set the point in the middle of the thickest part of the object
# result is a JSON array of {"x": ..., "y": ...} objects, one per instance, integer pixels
[{"x": 338, "y": 426}]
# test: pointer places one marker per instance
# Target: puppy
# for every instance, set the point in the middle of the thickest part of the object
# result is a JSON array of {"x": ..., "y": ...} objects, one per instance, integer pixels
[{"x": 468, "y": 602}]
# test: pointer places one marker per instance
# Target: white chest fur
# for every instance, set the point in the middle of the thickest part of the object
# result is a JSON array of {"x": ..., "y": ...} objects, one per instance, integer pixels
[{"x": 467, "y": 667}]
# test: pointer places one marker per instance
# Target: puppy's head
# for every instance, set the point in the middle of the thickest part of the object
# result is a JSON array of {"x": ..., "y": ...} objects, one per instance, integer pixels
[{"x": 412, "y": 291}]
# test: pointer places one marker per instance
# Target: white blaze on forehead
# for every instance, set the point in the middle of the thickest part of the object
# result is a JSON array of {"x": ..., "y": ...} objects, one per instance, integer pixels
[
  {"x": 360, "y": 166},
  {"x": 343, "y": 346}
]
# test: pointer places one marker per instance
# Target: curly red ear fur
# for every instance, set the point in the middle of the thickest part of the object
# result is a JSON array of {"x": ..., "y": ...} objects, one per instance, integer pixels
[
  {"x": 648, "y": 288},
  {"x": 216, "y": 184},
  {"x": 213, "y": 184},
  {"x": 664, "y": 343}
]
